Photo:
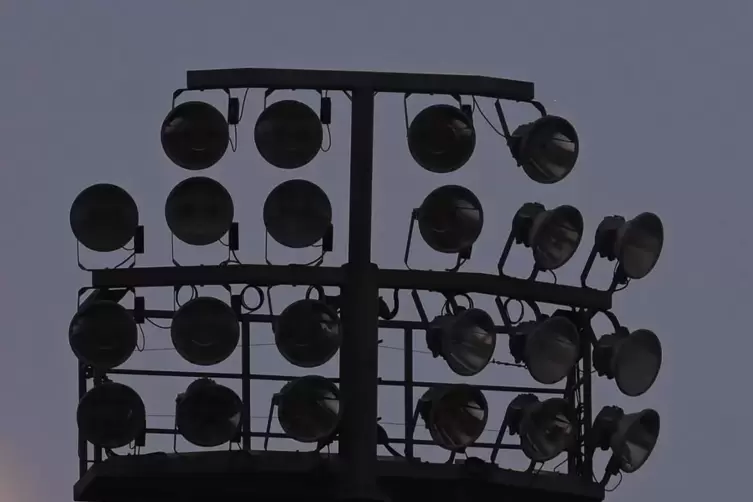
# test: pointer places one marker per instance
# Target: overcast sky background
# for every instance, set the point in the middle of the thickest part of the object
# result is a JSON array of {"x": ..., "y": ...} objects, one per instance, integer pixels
[{"x": 660, "y": 93}]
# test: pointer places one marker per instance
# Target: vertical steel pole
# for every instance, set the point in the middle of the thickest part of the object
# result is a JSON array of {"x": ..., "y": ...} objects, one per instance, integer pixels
[
  {"x": 587, "y": 396},
  {"x": 246, "y": 384},
  {"x": 408, "y": 377},
  {"x": 83, "y": 446},
  {"x": 359, "y": 369}
]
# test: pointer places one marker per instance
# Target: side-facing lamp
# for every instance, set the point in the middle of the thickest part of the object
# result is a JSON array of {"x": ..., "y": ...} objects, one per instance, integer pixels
[
  {"x": 465, "y": 340},
  {"x": 308, "y": 408},
  {"x": 455, "y": 415},
  {"x": 546, "y": 428},
  {"x": 208, "y": 414}
]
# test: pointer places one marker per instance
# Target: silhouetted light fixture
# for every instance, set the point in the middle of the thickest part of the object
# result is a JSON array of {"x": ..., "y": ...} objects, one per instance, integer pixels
[
  {"x": 450, "y": 219},
  {"x": 307, "y": 333},
  {"x": 466, "y": 340},
  {"x": 104, "y": 217},
  {"x": 199, "y": 211},
  {"x": 546, "y": 428},
  {"x": 632, "y": 359},
  {"x": 111, "y": 415},
  {"x": 297, "y": 213},
  {"x": 308, "y": 408},
  {"x": 636, "y": 244},
  {"x": 441, "y": 138},
  {"x": 455, "y": 415},
  {"x": 550, "y": 348},
  {"x": 195, "y": 135},
  {"x": 205, "y": 331},
  {"x": 553, "y": 235},
  {"x": 632, "y": 437},
  {"x": 546, "y": 149},
  {"x": 288, "y": 134},
  {"x": 208, "y": 414},
  {"x": 103, "y": 335}
]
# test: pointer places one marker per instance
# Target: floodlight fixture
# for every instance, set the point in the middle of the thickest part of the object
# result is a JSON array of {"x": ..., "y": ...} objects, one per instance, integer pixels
[
  {"x": 455, "y": 415},
  {"x": 308, "y": 409},
  {"x": 199, "y": 211},
  {"x": 195, "y": 135},
  {"x": 111, "y": 415},
  {"x": 450, "y": 219},
  {"x": 441, "y": 138},
  {"x": 466, "y": 340},
  {"x": 297, "y": 213},
  {"x": 546, "y": 428},
  {"x": 632, "y": 359},
  {"x": 103, "y": 335},
  {"x": 205, "y": 331},
  {"x": 208, "y": 414},
  {"x": 288, "y": 134},
  {"x": 104, "y": 217},
  {"x": 546, "y": 149},
  {"x": 308, "y": 333},
  {"x": 631, "y": 437},
  {"x": 549, "y": 347}
]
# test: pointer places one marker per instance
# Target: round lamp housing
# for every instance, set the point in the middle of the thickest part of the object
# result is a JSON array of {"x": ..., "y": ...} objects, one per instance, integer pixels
[
  {"x": 632, "y": 437},
  {"x": 297, "y": 213},
  {"x": 455, "y": 415},
  {"x": 195, "y": 135},
  {"x": 308, "y": 333},
  {"x": 549, "y": 348},
  {"x": 288, "y": 134},
  {"x": 466, "y": 340},
  {"x": 546, "y": 149},
  {"x": 441, "y": 138},
  {"x": 104, "y": 217},
  {"x": 199, "y": 211},
  {"x": 205, "y": 331},
  {"x": 639, "y": 244},
  {"x": 554, "y": 236},
  {"x": 208, "y": 414},
  {"x": 111, "y": 415},
  {"x": 450, "y": 219},
  {"x": 546, "y": 428},
  {"x": 632, "y": 359},
  {"x": 103, "y": 335},
  {"x": 309, "y": 409}
]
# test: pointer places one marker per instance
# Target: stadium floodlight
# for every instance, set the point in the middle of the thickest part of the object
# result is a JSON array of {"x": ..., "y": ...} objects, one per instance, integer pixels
[
  {"x": 297, "y": 213},
  {"x": 465, "y": 340},
  {"x": 111, "y": 415},
  {"x": 546, "y": 149},
  {"x": 208, "y": 414},
  {"x": 104, "y": 217},
  {"x": 455, "y": 415},
  {"x": 450, "y": 219},
  {"x": 546, "y": 428},
  {"x": 103, "y": 335},
  {"x": 632, "y": 437},
  {"x": 308, "y": 409},
  {"x": 308, "y": 333},
  {"x": 288, "y": 134},
  {"x": 549, "y": 348},
  {"x": 441, "y": 138},
  {"x": 205, "y": 331},
  {"x": 199, "y": 211},
  {"x": 632, "y": 359},
  {"x": 195, "y": 135}
]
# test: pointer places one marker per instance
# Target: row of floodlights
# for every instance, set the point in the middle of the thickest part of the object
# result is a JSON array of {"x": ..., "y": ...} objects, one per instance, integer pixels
[
  {"x": 207, "y": 414},
  {"x": 289, "y": 134},
  {"x": 297, "y": 214},
  {"x": 308, "y": 333}
]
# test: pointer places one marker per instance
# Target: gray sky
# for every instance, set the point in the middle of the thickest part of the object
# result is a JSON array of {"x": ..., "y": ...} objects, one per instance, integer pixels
[{"x": 658, "y": 91}]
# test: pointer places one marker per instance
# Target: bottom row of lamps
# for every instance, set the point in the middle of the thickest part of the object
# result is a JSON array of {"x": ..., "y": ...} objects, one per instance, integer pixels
[{"x": 207, "y": 414}]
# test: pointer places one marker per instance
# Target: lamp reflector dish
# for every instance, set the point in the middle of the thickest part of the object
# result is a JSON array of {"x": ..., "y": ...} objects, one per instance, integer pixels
[
  {"x": 195, "y": 135},
  {"x": 309, "y": 409},
  {"x": 111, "y": 415},
  {"x": 635, "y": 439},
  {"x": 288, "y": 134},
  {"x": 441, "y": 138},
  {"x": 468, "y": 341},
  {"x": 546, "y": 429},
  {"x": 552, "y": 349},
  {"x": 639, "y": 245},
  {"x": 548, "y": 149},
  {"x": 455, "y": 415},
  {"x": 103, "y": 335},
  {"x": 205, "y": 331},
  {"x": 450, "y": 219},
  {"x": 636, "y": 362},
  {"x": 199, "y": 211},
  {"x": 208, "y": 414},
  {"x": 104, "y": 217},
  {"x": 297, "y": 213},
  {"x": 555, "y": 236},
  {"x": 308, "y": 333}
]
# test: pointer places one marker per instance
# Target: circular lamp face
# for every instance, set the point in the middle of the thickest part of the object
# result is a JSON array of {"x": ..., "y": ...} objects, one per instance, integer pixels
[
  {"x": 104, "y": 217},
  {"x": 288, "y": 134},
  {"x": 195, "y": 135},
  {"x": 555, "y": 236},
  {"x": 199, "y": 211},
  {"x": 308, "y": 333},
  {"x": 636, "y": 362},
  {"x": 205, "y": 331},
  {"x": 208, "y": 414},
  {"x": 552, "y": 349},
  {"x": 457, "y": 417},
  {"x": 111, "y": 415},
  {"x": 546, "y": 429},
  {"x": 309, "y": 409},
  {"x": 548, "y": 149},
  {"x": 103, "y": 335},
  {"x": 297, "y": 213},
  {"x": 639, "y": 244},
  {"x": 441, "y": 138},
  {"x": 450, "y": 219},
  {"x": 468, "y": 342},
  {"x": 635, "y": 439}
]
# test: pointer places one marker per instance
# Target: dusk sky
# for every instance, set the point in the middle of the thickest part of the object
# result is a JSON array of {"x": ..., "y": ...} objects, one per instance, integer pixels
[{"x": 659, "y": 92}]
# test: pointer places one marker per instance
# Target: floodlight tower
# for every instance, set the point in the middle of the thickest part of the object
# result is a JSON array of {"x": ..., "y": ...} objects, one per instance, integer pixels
[{"x": 554, "y": 347}]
